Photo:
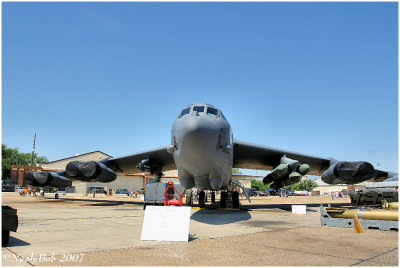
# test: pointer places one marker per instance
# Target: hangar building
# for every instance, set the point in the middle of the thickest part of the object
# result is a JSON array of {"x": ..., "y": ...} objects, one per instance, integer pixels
[
  {"x": 132, "y": 181},
  {"x": 129, "y": 182}
]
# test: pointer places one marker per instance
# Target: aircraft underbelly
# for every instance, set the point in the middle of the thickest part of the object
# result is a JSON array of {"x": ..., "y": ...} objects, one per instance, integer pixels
[{"x": 198, "y": 156}]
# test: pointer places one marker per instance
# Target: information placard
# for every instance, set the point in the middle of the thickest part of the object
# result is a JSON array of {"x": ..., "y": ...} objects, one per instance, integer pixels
[
  {"x": 299, "y": 209},
  {"x": 166, "y": 223}
]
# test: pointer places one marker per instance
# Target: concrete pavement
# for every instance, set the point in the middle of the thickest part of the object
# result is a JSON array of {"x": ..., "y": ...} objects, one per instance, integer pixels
[{"x": 107, "y": 232}]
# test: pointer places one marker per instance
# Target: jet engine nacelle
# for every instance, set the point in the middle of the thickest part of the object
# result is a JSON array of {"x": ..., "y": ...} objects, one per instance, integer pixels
[
  {"x": 90, "y": 171},
  {"x": 348, "y": 173},
  {"x": 45, "y": 178}
]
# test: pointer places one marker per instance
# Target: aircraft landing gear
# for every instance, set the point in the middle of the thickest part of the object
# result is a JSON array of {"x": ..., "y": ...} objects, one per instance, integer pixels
[
  {"x": 222, "y": 203},
  {"x": 189, "y": 198},
  {"x": 202, "y": 199},
  {"x": 235, "y": 199},
  {"x": 229, "y": 199},
  {"x": 212, "y": 197}
]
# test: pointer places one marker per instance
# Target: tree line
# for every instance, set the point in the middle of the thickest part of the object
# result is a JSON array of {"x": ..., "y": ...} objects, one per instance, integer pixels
[
  {"x": 12, "y": 156},
  {"x": 304, "y": 185}
]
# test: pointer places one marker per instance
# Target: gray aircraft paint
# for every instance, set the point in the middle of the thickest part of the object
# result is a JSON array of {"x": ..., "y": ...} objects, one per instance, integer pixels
[
  {"x": 201, "y": 143},
  {"x": 204, "y": 152}
]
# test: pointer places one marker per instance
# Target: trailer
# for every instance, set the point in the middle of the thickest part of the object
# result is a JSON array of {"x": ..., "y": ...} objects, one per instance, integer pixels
[{"x": 380, "y": 219}]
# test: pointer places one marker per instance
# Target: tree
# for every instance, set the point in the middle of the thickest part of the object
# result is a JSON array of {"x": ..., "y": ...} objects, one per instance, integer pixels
[
  {"x": 236, "y": 171},
  {"x": 12, "y": 156},
  {"x": 259, "y": 185},
  {"x": 304, "y": 185}
]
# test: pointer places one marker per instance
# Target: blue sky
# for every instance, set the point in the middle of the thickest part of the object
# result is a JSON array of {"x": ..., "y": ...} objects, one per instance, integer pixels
[{"x": 316, "y": 78}]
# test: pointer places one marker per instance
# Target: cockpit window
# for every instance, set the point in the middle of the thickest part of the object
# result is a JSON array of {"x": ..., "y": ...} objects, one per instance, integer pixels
[
  {"x": 212, "y": 111},
  {"x": 199, "y": 109},
  {"x": 185, "y": 111}
]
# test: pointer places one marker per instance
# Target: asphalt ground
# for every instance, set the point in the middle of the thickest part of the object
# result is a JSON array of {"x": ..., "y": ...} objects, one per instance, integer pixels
[{"x": 106, "y": 231}]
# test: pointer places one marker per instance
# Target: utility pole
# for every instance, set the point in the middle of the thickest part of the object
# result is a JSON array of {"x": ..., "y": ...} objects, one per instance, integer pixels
[{"x": 33, "y": 150}]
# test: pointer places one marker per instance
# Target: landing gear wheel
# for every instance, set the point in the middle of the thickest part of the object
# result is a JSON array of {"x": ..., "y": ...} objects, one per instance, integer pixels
[
  {"x": 202, "y": 196},
  {"x": 213, "y": 197},
  {"x": 235, "y": 199},
  {"x": 189, "y": 199},
  {"x": 56, "y": 196},
  {"x": 223, "y": 200}
]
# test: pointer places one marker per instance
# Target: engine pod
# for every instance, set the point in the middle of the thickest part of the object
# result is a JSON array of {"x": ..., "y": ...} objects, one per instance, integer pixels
[
  {"x": 348, "y": 173},
  {"x": 45, "y": 178}
]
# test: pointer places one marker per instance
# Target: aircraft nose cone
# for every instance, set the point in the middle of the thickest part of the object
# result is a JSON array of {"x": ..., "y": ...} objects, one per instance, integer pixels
[
  {"x": 198, "y": 142},
  {"x": 194, "y": 126},
  {"x": 200, "y": 132}
]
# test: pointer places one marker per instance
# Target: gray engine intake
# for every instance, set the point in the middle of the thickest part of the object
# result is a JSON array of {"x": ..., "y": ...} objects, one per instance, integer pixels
[{"x": 348, "y": 173}]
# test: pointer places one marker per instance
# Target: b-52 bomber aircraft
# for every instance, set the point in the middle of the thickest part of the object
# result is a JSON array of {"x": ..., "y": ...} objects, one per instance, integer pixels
[{"x": 204, "y": 152}]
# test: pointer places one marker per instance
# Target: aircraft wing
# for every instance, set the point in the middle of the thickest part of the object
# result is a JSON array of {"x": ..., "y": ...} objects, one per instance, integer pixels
[
  {"x": 254, "y": 156},
  {"x": 153, "y": 161},
  {"x": 128, "y": 164}
]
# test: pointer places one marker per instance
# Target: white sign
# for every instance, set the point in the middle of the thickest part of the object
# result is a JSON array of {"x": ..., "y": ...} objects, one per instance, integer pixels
[
  {"x": 166, "y": 223},
  {"x": 299, "y": 209}
]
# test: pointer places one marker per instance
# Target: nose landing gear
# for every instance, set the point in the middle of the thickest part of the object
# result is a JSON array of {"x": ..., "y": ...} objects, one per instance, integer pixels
[{"x": 229, "y": 199}]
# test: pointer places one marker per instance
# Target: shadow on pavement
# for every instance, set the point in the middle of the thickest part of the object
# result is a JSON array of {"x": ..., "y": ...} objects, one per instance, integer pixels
[
  {"x": 220, "y": 217},
  {"x": 15, "y": 242},
  {"x": 94, "y": 202},
  {"x": 265, "y": 224}
]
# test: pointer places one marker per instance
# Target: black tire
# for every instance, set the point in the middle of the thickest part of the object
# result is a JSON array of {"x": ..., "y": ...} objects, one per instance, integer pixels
[
  {"x": 213, "y": 197},
  {"x": 5, "y": 238},
  {"x": 222, "y": 203},
  {"x": 189, "y": 198},
  {"x": 202, "y": 196},
  {"x": 235, "y": 200},
  {"x": 56, "y": 196}
]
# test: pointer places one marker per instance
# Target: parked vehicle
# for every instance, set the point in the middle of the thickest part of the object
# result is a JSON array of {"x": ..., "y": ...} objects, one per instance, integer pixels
[
  {"x": 122, "y": 191},
  {"x": 272, "y": 192},
  {"x": 290, "y": 193},
  {"x": 7, "y": 186},
  {"x": 251, "y": 191},
  {"x": 301, "y": 193},
  {"x": 53, "y": 192},
  {"x": 21, "y": 189},
  {"x": 262, "y": 193}
]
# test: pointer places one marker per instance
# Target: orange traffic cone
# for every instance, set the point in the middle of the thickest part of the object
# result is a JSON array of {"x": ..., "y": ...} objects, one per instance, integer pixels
[{"x": 357, "y": 226}]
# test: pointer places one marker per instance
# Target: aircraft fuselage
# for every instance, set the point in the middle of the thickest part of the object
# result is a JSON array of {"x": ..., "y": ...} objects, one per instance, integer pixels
[{"x": 203, "y": 148}]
